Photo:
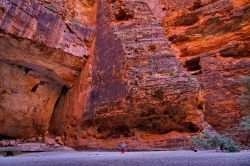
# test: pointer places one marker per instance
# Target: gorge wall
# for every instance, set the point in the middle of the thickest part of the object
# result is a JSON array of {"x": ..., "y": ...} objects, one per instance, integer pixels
[
  {"x": 152, "y": 73},
  {"x": 43, "y": 50},
  {"x": 212, "y": 38}
]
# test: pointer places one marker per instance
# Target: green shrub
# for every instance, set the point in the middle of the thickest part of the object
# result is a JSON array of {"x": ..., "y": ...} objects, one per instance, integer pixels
[
  {"x": 199, "y": 141},
  {"x": 214, "y": 141},
  {"x": 230, "y": 145}
]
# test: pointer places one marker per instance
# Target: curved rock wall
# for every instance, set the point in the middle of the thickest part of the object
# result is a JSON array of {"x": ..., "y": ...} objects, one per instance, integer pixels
[
  {"x": 43, "y": 49},
  {"x": 152, "y": 73}
]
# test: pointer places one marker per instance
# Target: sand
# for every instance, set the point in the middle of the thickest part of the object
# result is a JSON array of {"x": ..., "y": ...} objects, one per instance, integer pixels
[{"x": 153, "y": 158}]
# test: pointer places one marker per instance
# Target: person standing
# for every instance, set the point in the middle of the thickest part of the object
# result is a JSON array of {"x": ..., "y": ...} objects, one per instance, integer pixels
[{"x": 122, "y": 146}]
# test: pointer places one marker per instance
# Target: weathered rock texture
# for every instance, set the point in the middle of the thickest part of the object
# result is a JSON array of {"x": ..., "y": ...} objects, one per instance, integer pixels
[
  {"x": 152, "y": 73},
  {"x": 138, "y": 86},
  {"x": 212, "y": 39},
  {"x": 26, "y": 102},
  {"x": 41, "y": 52}
]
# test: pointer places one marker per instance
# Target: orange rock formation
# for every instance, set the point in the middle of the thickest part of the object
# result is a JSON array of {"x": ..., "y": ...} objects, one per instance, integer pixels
[{"x": 152, "y": 73}]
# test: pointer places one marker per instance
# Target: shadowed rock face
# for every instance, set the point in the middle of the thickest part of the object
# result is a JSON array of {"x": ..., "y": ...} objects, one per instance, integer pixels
[
  {"x": 19, "y": 115},
  {"x": 151, "y": 72},
  {"x": 138, "y": 85},
  {"x": 42, "y": 50},
  {"x": 136, "y": 74}
]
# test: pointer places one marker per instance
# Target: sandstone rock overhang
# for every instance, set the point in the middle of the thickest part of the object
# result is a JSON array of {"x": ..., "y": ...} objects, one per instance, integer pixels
[
  {"x": 41, "y": 54},
  {"x": 35, "y": 37}
]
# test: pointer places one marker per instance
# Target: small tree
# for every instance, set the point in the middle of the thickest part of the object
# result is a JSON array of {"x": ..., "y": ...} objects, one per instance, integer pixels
[
  {"x": 245, "y": 127},
  {"x": 215, "y": 141}
]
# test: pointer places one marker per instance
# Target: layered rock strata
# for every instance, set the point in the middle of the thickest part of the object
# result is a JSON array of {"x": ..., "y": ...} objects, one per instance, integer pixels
[
  {"x": 137, "y": 84},
  {"x": 41, "y": 55},
  {"x": 212, "y": 42},
  {"x": 150, "y": 72}
]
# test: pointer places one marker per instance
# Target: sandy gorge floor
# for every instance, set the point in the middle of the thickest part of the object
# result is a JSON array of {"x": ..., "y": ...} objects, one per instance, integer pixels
[{"x": 161, "y": 158}]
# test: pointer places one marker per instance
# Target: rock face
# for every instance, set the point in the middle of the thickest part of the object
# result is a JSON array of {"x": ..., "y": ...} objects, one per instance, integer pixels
[
  {"x": 212, "y": 38},
  {"x": 138, "y": 86},
  {"x": 19, "y": 115},
  {"x": 152, "y": 73},
  {"x": 41, "y": 53}
]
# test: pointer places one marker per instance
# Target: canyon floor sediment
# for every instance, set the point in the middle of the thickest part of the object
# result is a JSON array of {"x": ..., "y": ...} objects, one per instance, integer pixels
[{"x": 164, "y": 158}]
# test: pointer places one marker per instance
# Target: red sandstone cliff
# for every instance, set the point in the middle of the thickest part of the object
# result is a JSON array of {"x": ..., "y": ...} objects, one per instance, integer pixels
[
  {"x": 43, "y": 49},
  {"x": 212, "y": 39},
  {"x": 152, "y": 73}
]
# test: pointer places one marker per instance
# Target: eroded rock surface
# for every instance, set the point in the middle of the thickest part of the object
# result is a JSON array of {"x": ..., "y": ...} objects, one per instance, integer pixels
[
  {"x": 138, "y": 86},
  {"x": 151, "y": 72},
  {"x": 212, "y": 41},
  {"x": 43, "y": 50},
  {"x": 26, "y": 101}
]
